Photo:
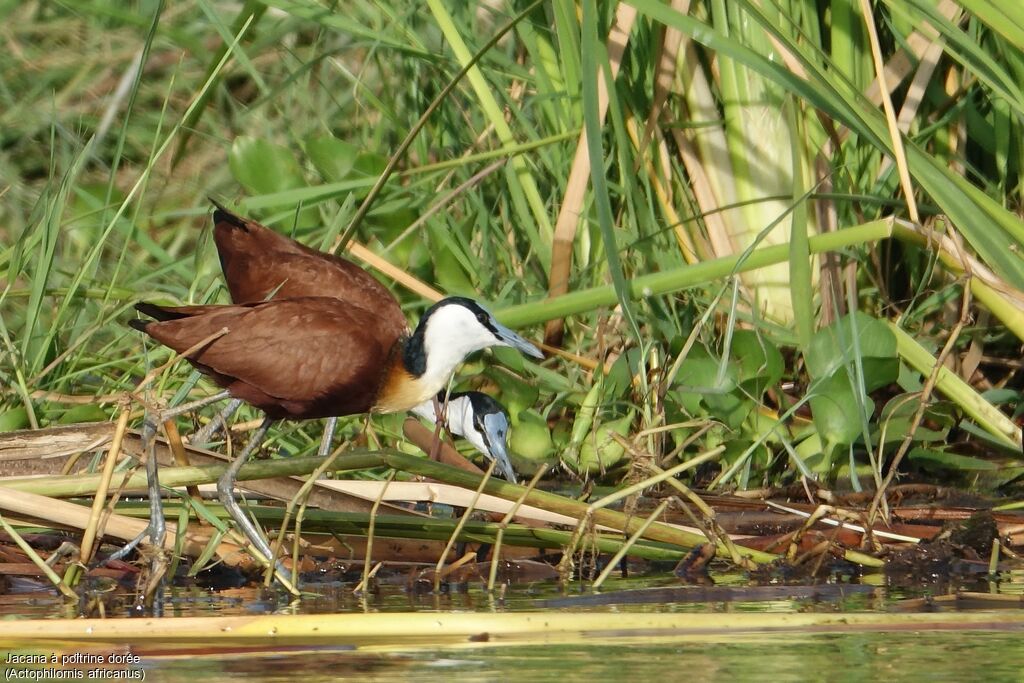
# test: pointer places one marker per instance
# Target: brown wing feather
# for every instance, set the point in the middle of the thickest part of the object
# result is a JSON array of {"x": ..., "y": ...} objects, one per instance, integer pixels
[
  {"x": 258, "y": 261},
  {"x": 300, "y": 358}
]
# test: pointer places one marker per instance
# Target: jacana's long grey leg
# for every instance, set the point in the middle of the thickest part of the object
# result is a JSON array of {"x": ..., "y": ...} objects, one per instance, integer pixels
[
  {"x": 156, "y": 529},
  {"x": 205, "y": 435},
  {"x": 157, "y": 525},
  {"x": 225, "y": 492},
  {"x": 328, "y": 438},
  {"x": 192, "y": 405}
]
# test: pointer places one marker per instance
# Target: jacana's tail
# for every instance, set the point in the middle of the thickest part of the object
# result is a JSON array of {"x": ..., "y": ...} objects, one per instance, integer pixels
[
  {"x": 222, "y": 215},
  {"x": 162, "y": 313}
]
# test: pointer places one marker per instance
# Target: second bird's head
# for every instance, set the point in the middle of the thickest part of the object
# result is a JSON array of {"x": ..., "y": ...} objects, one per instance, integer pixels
[{"x": 455, "y": 327}]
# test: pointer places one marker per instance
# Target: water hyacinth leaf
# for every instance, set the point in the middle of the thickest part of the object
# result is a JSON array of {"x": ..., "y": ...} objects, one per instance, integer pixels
[
  {"x": 448, "y": 270},
  {"x": 1002, "y": 396},
  {"x": 368, "y": 165},
  {"x": 700, "y": 371},
  {"x": 263, "y": 167},
  {"x": 731, "y": 408},
  {"x": 585, "y": 416},
  {"x": 620, "y": 378},
  {"x": 895, "y": 430},
  {"x": 84, "y": 413},
  {"x": 390, "y": 219},
  {"x": 759, "y": 362},
  {"x": 897, "y": 415},
  {"x": 701, "y": 391},
  {"x": 601, "y": 450},
  {"x": 735, "y": 449},
  {"x": 832, "y": 348},
  {"x": 516, "y": 394},
  {"x": 834, "y": 407},
  {"x": 509, "y": 358},
  {"x": 529, "y": 442},
  {"x": 449, "y": 273},
  {"x": 333, "y": 159},
  {"x": 698, "y": 380}
]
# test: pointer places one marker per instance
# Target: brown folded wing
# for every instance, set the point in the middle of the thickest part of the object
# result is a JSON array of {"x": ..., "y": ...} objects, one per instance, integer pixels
[
  {"x": 299, "y": 358},
  {"x": 258, "y": 262}
]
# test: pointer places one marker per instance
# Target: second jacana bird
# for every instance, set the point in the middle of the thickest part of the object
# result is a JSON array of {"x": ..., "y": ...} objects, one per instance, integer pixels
[
  {"x": 479, "y": 419},
  {"x": 311, "y": 357}
]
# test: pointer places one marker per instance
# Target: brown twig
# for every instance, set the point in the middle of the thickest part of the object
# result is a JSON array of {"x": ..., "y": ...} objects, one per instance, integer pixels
[
  {"x": 965, "y": 310},
  {"x": 91, "y": 531}
]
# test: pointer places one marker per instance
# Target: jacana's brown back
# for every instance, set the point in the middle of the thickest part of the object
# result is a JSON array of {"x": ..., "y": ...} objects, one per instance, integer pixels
[
  {"x": 258, "y": 262},
  {"x": 299, "y": 358}
]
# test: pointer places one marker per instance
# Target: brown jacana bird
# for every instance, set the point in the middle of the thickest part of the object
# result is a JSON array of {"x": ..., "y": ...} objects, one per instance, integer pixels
[
  {"x": 260, "y": 263},
  {"x": 314, "y": 357}
]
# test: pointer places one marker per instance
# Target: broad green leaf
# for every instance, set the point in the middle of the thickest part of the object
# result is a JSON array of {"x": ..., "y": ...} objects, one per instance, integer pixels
[
  {"x": 529, "y": 442},
  {"x": 698, "y": 379},
  {"x": 13, "y": 419},
  {"x": 619, "y": 379},
  {"x": 333, "y": 159},
  {"x": 731, "y": 408},
  {"x": 262, "y": 167},
  {"x": 369, "y": 165},
  {"x": 448, "y": 271},
  {"x": 832, "y": 348},
  {"x": 83, "y": 413},
  {"x": 835, "y": 411},
  {"x": 517, "y": 395},
  {"x": 601, "y": 451},
  {"x": 759, "y": 362}
]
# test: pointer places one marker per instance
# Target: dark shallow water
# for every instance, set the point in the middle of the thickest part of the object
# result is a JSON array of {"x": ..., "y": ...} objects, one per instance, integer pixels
[{"x": 989, "y": 655}]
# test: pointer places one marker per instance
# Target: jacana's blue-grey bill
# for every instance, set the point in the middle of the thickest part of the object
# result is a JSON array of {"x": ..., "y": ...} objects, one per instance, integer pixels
[
  {"x": 495, "y": 433},
  {"x": 515, "y": 341}
]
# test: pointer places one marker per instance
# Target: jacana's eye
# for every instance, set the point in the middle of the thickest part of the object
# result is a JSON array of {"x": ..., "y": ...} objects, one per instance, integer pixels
[{"x": 481, "y": 318}]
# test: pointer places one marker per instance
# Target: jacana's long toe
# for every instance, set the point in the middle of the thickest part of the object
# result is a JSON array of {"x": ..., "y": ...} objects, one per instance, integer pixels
[
  {"x": 206, "y": 433},
  {"x": 226, "y": 495}
]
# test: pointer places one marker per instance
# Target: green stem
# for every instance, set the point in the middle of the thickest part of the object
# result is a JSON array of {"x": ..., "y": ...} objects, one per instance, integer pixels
[{"x": 687, "y": 276}]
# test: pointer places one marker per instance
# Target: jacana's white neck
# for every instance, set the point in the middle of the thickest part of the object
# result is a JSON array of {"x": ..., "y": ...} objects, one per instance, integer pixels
[{"x": 450, "y": 334}]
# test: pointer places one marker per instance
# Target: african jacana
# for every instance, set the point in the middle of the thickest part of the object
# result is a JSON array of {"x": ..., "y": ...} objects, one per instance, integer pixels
[
  {"x": 312, "y": 357},
  {"x": 479, "y": 419}
]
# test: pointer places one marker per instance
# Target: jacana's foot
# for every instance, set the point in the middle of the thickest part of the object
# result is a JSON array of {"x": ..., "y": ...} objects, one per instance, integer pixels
[
  {"x": 156, "y": 529},
  {"x": 226, "y": 494}
]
